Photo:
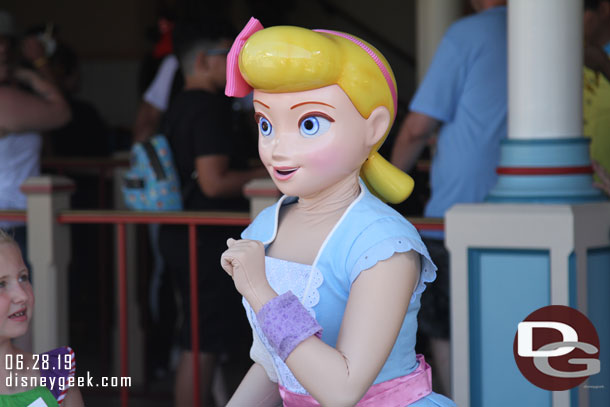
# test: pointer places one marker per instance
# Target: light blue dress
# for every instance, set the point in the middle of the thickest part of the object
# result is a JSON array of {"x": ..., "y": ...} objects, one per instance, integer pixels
[{"x": 368, "y": 232}]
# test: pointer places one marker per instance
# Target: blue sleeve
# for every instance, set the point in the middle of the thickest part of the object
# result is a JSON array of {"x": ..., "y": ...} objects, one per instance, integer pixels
[
  {"x": 442, "y": 87},
  {"x": 380, "y": 240},
  {"x": 262, "y": 227},
  {"x": 247, "y": 232}
]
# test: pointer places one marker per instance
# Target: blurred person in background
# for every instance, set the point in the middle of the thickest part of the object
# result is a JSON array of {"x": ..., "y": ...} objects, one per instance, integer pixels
[
  {"x": 596, "y": 22},
  {"x": 464, "y": 96},
  {"x": 596, "y": 81},
  {"x": 56, "y": 61},
  {"x": 166, "y": 82},
  {"x": 160, "y": 81},
  {"x": 205, "y": 146},
  {"x": 87, "y": 134},
  {"x": 44, "y": 50},
  {"x": 29, "y": 105}
]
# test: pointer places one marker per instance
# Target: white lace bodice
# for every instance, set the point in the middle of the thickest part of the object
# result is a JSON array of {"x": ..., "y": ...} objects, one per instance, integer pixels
[{"x": 283, "y": 276}]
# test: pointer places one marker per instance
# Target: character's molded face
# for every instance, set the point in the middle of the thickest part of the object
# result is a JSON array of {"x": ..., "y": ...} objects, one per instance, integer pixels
[
  {"x": 311, "y": 140},
  {"x": 16, "y": 295}
]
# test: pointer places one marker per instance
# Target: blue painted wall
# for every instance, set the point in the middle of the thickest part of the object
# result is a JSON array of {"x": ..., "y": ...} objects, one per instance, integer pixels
[
  {"x": 598, "y": 286},
  {"x": 573, "y": 292},
  {"x": 505, "y": 287}
]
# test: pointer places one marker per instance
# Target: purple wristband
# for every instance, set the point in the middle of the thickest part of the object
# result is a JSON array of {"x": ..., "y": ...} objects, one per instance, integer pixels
[{"x": 286, "y": 323}]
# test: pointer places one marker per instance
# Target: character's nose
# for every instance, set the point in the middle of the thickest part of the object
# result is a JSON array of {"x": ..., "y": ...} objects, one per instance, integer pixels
[{"x": 280, "y": 147}]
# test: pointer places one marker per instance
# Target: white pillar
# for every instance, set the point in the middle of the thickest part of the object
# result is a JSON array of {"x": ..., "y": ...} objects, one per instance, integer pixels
[
  {"x": 433, "y": 19},
  {"x": 545, "y": 158},
  {"x": 545, "y": 60},
  {"x": 49, "y": 254}
]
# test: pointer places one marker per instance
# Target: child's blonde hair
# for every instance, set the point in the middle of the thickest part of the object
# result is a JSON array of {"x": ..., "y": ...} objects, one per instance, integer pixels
[
  {"x": 6, "y": 238},
  {"x": 293, "y": 59}
]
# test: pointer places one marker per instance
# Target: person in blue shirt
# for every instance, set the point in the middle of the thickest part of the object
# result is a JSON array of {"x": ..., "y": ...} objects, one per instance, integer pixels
[{"x": 464, "y": 97}]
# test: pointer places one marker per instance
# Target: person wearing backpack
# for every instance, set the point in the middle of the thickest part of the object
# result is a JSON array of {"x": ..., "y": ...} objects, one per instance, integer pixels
[{"x": 200, "y": 129}]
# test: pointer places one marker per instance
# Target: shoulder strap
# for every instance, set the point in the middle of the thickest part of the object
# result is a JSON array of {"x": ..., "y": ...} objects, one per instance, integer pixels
[{"x": 154, "y": 160}]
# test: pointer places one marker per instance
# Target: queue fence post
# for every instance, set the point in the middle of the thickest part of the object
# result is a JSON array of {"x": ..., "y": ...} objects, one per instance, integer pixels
[
  {"x": 194, "y": 311},
  {"x": 48, "y": 246},
  {"x": 122, "y": 286}
]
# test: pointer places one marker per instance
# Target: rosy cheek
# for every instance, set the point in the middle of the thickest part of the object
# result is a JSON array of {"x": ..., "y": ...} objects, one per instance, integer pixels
[
  {"x": 325, "y": 160},
  {"x": 335, "y": 158},
  {"x": 263, "y": 153}
]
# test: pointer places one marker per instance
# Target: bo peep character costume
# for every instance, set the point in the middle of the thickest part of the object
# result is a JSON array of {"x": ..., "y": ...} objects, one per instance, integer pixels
[{"x": 368, "y": 232}]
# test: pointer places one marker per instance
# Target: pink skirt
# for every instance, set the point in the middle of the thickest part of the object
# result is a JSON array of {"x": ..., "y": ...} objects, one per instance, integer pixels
[{"x": 398, "y": 392}]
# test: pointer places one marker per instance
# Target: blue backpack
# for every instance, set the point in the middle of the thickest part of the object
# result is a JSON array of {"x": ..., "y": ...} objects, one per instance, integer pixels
[{"x": 152, "y": 182}]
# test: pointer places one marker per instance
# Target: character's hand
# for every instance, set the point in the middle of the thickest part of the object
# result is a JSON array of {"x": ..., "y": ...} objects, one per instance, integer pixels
[{"x": 244, "y": 260}]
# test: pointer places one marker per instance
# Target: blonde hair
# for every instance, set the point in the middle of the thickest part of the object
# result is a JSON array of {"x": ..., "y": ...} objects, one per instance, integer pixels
[
  {"x": 293, "y": 59},
  {"x": 6, "y": 238}
]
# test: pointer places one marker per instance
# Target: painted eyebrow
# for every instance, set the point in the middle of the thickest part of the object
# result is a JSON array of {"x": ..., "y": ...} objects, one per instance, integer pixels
[
  {"x": 258, "y": 115},
  {"x": 317, "y": 103},
  {"x": 258, "y": 101}
]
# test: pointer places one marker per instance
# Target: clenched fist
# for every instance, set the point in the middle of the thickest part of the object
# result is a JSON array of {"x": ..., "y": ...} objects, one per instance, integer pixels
[{"x": 244, "y": 260}]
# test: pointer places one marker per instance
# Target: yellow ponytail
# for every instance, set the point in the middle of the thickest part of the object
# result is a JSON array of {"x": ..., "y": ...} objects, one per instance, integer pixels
[{"x": 385, "y": 180}]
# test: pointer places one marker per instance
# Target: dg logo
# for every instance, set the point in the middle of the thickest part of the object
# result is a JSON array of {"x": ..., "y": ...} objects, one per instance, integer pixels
[{"x": 557, "y": 348}]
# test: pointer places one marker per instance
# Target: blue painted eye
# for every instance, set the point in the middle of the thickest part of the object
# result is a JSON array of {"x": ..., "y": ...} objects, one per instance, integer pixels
[
  {"x": 265, "y": 127},
  {"x": 314, "y": 126}
]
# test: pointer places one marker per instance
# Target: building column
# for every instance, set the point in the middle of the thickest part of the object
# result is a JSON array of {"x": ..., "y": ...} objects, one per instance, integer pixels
[
  {"x": 545, "y": 158},
  {"x": 433, "y": 19}
]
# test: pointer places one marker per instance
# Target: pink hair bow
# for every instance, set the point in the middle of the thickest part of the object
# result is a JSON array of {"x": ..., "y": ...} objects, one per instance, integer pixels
[{"x": 236, "y": 84}]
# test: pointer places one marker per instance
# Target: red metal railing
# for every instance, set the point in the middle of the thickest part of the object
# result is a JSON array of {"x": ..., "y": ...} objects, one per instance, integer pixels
[
  {"x": 428, "y": 223},
  {"x": 191, "y": 219},
  {"x": 13, "y": 215},
  {"x": 99, "y": 173}
]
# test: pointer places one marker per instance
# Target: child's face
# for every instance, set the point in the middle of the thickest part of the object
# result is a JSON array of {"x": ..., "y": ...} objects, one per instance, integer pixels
[
  {"x": 311, "y": 140},
  {"x": 16, "y": 295}
]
